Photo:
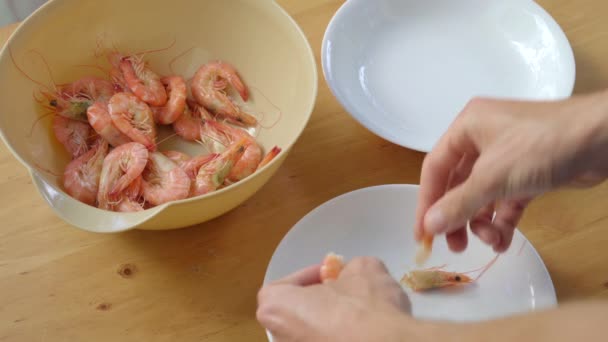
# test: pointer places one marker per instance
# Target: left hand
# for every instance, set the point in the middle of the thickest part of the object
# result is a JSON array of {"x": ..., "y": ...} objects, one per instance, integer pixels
[{"x": 364, "y": 304}]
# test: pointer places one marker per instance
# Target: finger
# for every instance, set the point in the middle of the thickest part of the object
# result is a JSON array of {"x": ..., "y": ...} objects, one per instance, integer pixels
[
  {"x": 308, "y": 276},
  {"x": 364, "y": 265},
  {"x": 457, "y": 240},
  {"x": 454, "y": 209},
  {"x": 482, "y": 227},
  {"x": 436, "y": 169},
  {"x": 507, "y": 217}
]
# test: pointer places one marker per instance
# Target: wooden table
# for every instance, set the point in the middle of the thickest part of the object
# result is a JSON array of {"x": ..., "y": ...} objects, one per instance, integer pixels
[{"x": 200, "y": 283}]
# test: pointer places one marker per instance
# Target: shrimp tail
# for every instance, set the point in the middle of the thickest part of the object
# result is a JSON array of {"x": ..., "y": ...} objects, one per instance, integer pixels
[{"x": 269, "y": 157}]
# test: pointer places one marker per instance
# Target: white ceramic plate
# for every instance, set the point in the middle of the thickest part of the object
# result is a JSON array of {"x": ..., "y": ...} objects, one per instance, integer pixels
[
  {"x": 379, "y": 221},
  {"x": 405, "y": 68}
]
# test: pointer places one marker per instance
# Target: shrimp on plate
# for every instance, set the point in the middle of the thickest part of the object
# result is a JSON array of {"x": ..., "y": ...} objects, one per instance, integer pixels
[{"x": 138, "y": 78}]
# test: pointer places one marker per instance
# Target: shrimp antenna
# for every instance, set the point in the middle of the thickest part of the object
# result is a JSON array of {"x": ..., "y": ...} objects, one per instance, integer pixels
[
  {"x": 487, "y": 267},
  {"x": 166, "y": 138},
  {"x": 174, "y": 59},
  {"x": 264, "y": 114},
  {"x": 10, "y": 52},
  {"x": 158, "y": 50},
  {"x": 48, "y": 68}
]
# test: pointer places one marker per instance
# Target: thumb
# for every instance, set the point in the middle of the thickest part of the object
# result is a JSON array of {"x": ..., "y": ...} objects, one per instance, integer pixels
[{"x": 461, "y": 203}]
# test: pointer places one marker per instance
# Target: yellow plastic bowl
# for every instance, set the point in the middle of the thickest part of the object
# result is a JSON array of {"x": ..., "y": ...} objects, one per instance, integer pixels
[{"x": 257, "y": 36}]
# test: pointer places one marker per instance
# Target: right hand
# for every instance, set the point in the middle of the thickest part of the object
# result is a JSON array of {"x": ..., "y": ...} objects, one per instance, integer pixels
[{"x": 498, "y": 155}]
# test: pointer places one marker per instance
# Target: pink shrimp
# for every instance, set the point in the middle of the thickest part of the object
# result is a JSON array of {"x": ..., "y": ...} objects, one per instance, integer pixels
[
  {"x": 269, "y": 157},
  {"x": 82, "y": 175},
  {"x": 134, "y": 118},
  {"x": 72, "y": 134},
  {"x": 102, "y": 123},
  {"x": 142, "y": 81},
  {"x": 130, "y": 198},
  {"x": 188, "y": 125},
  {"x": 177, "y": 157},
  {"x": 192, "y": 166},
  {"x": 208, "y": 86},
  {"x": 227, "y": 135},
  {"x": 331, "y": 267},
  {"x": 176, "y": 104},
  {"x": 120, "y": 168},
  {"x": 72, "y": 100},
  {"x": 212, "y": 175},
  {"x": 164, "y": 181}
]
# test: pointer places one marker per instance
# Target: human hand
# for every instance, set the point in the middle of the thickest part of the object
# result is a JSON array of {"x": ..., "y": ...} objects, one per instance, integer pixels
[
  {"x": 498, "y": 155},
  {"x": 364, "y": 304}
]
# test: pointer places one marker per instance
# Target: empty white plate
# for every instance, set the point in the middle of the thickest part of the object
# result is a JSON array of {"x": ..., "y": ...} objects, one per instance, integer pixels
[
  {"x": 405, "y": 68},
  {"x": 379, "y": 221}
]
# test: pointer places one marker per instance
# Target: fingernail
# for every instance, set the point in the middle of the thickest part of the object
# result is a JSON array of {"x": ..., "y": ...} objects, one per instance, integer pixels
[{"x": 434, "y": 221}]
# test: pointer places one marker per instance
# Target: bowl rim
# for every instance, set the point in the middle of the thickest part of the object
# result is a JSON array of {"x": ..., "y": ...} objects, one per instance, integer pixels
[
  {"x": 569, "y": 76},
  {"x": 153, "y": 212}
]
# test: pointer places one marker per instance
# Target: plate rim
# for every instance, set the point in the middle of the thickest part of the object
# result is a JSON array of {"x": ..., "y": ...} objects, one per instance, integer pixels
[
  {"x": 557, "y": 31},
  {"x": 551, "y": 293}
]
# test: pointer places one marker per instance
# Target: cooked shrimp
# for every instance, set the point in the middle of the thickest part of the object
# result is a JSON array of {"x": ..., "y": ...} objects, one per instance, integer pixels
[
  {"x": 72, "y": 100},
  {"x": 72, "y": 134},
  {"x": 120, "y": 168},
  {"x": 164, "y": 181},
  {"x": 331, "y": 267},
  {"x": 227, "y": 135},
  {"x": 270, "y": 156},
  {"x": 192, "y": 166},
  {"x": 208, "y": 85},
  {"x": 424, "y": 251},
  {"x": 134, "y": 118},
  {"x": 212, "y": 175},
  {"x": 435, "y": 278},
  {"x": 188, "y": 125},
  {"x": 177, "y": 157},
  {"x": 130, "y": 197},
  {"x": 82, "y": 175},
  {"x": 175, "y": 106},
  {"x": 142, "y": 81},
  {"x": 102, "y": 123}
]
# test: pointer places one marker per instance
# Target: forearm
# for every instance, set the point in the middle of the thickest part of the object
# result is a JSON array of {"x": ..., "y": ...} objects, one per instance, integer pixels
[{"x": 585, "y": 321}]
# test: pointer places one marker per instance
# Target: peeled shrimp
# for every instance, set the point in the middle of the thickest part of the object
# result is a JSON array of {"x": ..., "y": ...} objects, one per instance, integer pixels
[
  {"x": 120, "y": 168},
  {"x": 331, "y": 267},
  {"x": 164, "y": 181},
  {"x": 208, "y": 85},
  {"x": 82, "y": 175},
  {"x": 72, "y": 134},
  {"x": 134, "y": 118},
  {"x": 102, "y": 123},
  {"x": 212, "y": 175},
  {"x": 252, "y": 157},
  {"x": 188, "y": 125},
  {"x": 142, "y": 81},
  {"x": 176, "y": 104}
]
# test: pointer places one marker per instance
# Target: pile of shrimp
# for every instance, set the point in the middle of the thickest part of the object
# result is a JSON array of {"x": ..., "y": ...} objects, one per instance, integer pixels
[{"x": 109, "y": 128}]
